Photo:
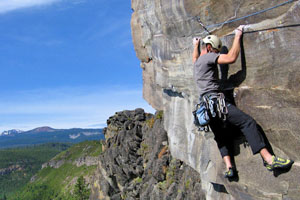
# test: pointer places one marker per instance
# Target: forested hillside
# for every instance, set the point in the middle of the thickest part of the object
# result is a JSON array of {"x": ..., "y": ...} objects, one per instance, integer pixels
[
  {"x": 67, "y": 171},
  {"x": 18, "y": 165}
]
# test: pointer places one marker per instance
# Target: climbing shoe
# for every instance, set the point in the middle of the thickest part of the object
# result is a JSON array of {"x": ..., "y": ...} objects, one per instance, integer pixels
[
  {"x": 230, "y": 173},
  {"x": 278, "y": 163}
]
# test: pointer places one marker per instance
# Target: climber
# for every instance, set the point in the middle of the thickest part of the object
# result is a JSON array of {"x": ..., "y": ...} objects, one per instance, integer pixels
[{"x": 206, "y": 79}]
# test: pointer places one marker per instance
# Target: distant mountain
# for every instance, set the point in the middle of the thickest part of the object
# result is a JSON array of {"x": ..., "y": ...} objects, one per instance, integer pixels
[
  {"x": 42, "y": 129},
  {"x": 41, "y": 135},
  {"x": 11, "y": 132},
  {"x": 14, "y": 132}
]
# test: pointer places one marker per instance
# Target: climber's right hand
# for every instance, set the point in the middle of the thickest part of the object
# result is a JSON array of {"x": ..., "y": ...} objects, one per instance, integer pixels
[{"x": 239, "y": 30}]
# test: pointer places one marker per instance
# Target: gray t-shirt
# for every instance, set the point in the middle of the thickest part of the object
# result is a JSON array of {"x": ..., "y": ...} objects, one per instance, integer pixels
[{"x": 206, "y": 73}]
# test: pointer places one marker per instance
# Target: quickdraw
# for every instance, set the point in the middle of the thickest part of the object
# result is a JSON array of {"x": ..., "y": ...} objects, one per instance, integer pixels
[
  {"x": 216, "y": 104},
  {"x": 211, "y": 105}
]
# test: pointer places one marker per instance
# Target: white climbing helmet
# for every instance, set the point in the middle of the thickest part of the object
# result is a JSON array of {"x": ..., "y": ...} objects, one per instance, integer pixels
[{"x": 214, "y": 41}]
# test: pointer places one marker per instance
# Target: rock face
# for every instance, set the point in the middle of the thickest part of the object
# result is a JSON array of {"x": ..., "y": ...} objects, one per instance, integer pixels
[
  {"x": 136, "y": 162},
  {"x": 265, "y": 82},
  {"x": 10, "y": 169}
]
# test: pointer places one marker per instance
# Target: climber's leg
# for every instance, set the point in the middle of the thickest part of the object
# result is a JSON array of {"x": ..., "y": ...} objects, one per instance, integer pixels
[
  {"x": 248, "y": 127},
  {"x": 266, "y": 155},
  {"x": 255, "y": 139},
  {"x": 227, "y": 161},
  {"x": 223, "y": 140},
  {"x": 221, "y": 136}
]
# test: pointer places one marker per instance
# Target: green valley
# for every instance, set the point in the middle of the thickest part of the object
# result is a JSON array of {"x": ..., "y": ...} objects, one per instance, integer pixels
[
  {"x": 58, "y": 177},
  {"x": 18, "y": 165}
]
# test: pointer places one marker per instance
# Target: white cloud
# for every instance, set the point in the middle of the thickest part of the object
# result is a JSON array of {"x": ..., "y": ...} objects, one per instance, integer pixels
[
  {"x": 10, "y": 5},
  {"x": 67, "y": 107}
]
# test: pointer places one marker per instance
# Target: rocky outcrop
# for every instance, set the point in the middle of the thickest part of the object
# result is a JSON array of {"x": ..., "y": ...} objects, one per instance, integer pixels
[
  {"x": 53, "y": 164},
  {"x": 87, "y": 160},
  {"x": 11, "y": 169},
  {"x": 265, "y": 83},
  {"x": 84, "y": 160},
  {"x": 136, "y": 162}
]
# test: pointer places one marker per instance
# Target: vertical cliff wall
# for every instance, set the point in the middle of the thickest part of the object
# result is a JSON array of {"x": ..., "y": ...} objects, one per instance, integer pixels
[{"x": 266, "y": 86}]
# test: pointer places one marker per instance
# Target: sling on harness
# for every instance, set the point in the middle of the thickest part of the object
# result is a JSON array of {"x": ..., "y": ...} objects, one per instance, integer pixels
[{"x": 210, "y": 105}]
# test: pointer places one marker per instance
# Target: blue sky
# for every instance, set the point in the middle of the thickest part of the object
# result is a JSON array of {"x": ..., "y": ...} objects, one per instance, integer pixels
[{"x": 66, "y": 63}]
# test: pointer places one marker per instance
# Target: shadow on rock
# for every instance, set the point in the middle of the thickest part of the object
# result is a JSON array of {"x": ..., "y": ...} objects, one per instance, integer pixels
[
  {"x": 234, "y": 80},
  {"x": 219, "y": 188}
]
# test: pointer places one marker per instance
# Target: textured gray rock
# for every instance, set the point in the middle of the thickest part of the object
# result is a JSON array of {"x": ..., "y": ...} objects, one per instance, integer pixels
[
  {"x": 87, "y": 160},
  {"x": 10, "y": 169},
  {"x": 266, "y": 87},
  {"x": 54, "y": 164},
  {"x": 137, "y": 164}
]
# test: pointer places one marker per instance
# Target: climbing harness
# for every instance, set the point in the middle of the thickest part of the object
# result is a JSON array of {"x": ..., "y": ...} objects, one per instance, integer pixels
[
  {"x": 216, "y": 104},
  {"x": 211, "y": 105}
]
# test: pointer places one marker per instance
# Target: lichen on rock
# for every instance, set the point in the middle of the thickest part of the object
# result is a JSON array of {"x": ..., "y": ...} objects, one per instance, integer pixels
[{"x": 137, "y": 164}]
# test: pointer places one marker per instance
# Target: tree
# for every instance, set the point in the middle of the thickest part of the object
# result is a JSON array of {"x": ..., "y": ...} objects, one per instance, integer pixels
[{"x": 81, "y": 192}]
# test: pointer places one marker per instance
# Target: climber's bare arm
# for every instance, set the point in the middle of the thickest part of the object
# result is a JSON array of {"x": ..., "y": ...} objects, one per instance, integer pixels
[
  {"x": 196, "y": 54},
  {"x": 233, "y": 53}
]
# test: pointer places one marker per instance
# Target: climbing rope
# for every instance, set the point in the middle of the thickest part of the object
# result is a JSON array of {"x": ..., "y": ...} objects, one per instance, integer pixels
[
  {"x": 197, "y": 18},
  {"x": 266, "y": 29},
  {"x": 250, "y": 15}
]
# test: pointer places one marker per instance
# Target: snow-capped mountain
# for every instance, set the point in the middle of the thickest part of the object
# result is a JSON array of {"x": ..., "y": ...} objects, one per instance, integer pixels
[
  {"x": 11, "y": 132},
  {"x": 45, "y": 134}
]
